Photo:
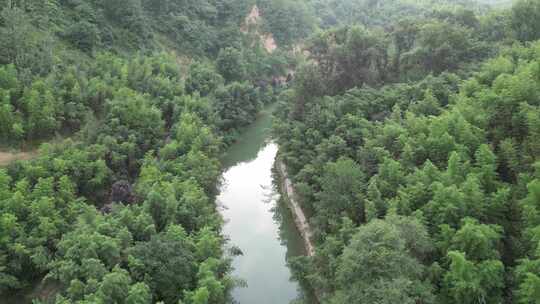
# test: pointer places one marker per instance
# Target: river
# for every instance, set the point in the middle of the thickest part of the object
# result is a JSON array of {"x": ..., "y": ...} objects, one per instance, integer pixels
[{"x": 257, "y": 221}]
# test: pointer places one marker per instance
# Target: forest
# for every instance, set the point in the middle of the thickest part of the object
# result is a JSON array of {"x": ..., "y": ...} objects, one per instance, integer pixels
[
  {"x": 412, "y": 133},
  {"x": 131, "y": 104},
  {"x": 410, "y": 128}
]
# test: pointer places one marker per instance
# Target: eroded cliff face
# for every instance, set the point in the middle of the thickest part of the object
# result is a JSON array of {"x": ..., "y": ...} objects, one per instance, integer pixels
[{"x": 252, "y": 24}]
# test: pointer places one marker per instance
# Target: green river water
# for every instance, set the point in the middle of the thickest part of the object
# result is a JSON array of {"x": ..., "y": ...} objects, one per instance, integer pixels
[{"x": 257, "y": 221}]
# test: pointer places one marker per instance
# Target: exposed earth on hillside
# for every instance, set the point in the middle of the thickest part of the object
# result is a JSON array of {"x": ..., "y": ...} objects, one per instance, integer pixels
[{"x": 253, "y": 20}]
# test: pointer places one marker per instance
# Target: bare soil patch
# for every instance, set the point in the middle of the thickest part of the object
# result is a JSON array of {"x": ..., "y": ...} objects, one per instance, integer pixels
[{"x": 7, "y": 157}]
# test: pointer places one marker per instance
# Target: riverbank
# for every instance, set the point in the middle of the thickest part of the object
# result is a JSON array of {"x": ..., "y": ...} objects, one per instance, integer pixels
[{"x": 300, "y": 219}]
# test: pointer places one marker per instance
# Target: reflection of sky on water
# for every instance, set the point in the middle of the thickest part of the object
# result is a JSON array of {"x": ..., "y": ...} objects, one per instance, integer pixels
[
  {"x": 251, "y": 141},
  {"x": 252, "y": 227}
]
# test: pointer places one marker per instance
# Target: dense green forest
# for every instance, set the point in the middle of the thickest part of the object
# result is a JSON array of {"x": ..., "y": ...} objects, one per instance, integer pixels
[
  {"x": 134, "y": 102},
  {"x": 411, "y": 129},
  {"x": 412, "y": 132}
]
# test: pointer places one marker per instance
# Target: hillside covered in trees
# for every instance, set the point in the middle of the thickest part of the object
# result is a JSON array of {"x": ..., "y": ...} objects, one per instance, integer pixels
[
  {"x": 412, "y": 132},
  {"x": 134, "y": 102}
]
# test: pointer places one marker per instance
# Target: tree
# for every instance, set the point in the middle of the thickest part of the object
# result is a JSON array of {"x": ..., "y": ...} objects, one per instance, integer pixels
[
  {"x": 288, "y": 21},
  {"x": 441, "y": 47},
  {"x": 159, "y": 208},
  {"x": 468, "y": 282},
  {"x": 201, "y": 296},
  {"x": 341, "y": 195},
  {"x": 129, "y": 12},
  {"x": 134, "y": 126},
  {"x": 486, "y": 163},
  {"x": 378, "y": 266},
  {"x": 524, "y": 20},
  {"x": 203, "y": 78},
  {"x": 23, "y": 45},
  {"x": 363, "y": 58},
  {"x": 139, "y": 293},
  {"x": 235, "y": 105},
  {"x": 42, "y": 109},
  {"x": 528, "y": 287},
  {"x": 84, "y": 35},
  {"x": 166, "y": 263},
  {"x": 115, "y": 286},
  {"x": 477, "y": 241},
  {"x": 231, "y": 64},
  {"x": 531, "y": 212},
  {"x": 348, "y": 57},
  {"x": 7, "y": 117}
]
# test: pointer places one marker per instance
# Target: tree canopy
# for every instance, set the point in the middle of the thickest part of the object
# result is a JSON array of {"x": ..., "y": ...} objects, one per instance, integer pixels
[{"x": 418, "y": 121}]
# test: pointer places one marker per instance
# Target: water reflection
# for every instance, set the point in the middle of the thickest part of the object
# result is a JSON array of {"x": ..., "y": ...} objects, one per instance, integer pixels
[
  {"x": 252, "y": 140},
  {"x": 256, "y": 223},
  {"x": 251, "y": 226}
]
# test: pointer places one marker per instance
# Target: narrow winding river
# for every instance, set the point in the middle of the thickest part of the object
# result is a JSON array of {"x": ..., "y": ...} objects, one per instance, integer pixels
[{"x": 257, "y": 221}]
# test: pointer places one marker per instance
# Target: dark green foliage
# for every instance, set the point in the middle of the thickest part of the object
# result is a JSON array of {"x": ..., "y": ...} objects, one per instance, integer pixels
[
  {"x": 83, "y": 35},
  {"x": 524, "y": 20},
  {"x": 166, "y": 263},
  {"x": 379, "y": 265},
  {"x": 380, "y": 13},
  {"x": 132, "y": 127},
  {"x": 235, "y": 104},
  {"x": 290, "y": 21},
  {"x": 203, "y": 78},
  {"x": 354, "y": 56},
  {"x": 22, "y": 44},
  {"x": 342, "y": 184},
  {"x": 231, "y": 64}
]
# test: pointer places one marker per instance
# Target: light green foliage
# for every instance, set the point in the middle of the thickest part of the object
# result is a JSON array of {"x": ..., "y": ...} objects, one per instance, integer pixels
[
  {"x": 478, "y": 241},
  {"x": 458, "y": 152},
  {"x": 529, "y": 284},
  {"x": 115, "y": 286},
  {"x": 139, "y": 294},
  {"x": 113, "y": 76},
  {"x": 384, "y": 167},
  {"x": 469, "y": 282},
  {"x": 531, "y": 205}
]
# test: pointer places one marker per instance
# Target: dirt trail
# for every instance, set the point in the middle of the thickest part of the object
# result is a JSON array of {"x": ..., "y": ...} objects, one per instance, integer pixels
[
  {"x": 8, "y": 157},
  {"x": 298, "y": 214}
]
